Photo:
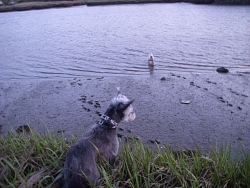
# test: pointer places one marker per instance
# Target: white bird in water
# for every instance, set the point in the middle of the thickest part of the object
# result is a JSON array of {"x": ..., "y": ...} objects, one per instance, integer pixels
[{"x": 151, "y": 61}]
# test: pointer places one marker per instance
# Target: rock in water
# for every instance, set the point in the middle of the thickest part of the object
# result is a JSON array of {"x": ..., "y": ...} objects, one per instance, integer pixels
[
  {"x": 163, "y": 78},
  {"x": 222, "y": 70}
]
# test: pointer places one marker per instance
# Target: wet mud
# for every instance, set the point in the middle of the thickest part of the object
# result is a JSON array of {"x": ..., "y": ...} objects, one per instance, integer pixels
[{"x": 179, "y": 110}]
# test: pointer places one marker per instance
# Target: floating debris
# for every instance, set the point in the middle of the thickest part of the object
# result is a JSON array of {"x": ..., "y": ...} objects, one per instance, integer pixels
[{"x": 185, "y": 101}]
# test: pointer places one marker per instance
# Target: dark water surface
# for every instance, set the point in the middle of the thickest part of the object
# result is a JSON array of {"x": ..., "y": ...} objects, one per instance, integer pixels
[{"x": 116, "y": 40}]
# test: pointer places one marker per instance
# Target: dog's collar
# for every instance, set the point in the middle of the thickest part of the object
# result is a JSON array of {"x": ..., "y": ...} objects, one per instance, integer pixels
[{"x": 105, "y": 120}]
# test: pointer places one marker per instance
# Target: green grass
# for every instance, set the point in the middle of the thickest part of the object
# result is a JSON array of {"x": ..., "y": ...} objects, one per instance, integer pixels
[{"x": 34, "y": 160}]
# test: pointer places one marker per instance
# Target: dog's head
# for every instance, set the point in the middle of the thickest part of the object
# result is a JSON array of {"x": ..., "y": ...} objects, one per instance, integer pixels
[{"x": 121, "y": 109}]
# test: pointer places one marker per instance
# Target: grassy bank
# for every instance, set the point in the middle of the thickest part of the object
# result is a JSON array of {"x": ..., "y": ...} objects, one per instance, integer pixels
[
  {"x": 34, "y": 160},
  {"x": 43, "y": 4},
  {"x": 34, "y": 5},
  {"x": 110, "y": 2},
  {"x": 216, "y": 2}
]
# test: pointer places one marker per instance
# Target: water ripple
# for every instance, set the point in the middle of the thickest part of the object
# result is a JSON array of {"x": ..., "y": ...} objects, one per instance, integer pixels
[{"x": 116, "y": 40}]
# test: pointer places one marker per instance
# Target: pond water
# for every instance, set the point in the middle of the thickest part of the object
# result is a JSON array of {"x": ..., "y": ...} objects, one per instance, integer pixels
[{"x": 116, "y": 40}]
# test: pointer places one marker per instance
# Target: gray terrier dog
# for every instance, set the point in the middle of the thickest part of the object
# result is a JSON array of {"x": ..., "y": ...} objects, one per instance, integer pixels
[{"x": 80, "y": 165}]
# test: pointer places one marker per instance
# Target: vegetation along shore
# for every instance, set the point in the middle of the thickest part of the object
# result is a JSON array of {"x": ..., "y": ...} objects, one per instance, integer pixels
[
  {"x": 21, "y": 5},
  {"x": 10, "y": 5},
  {"x": 34, "y": 160}
]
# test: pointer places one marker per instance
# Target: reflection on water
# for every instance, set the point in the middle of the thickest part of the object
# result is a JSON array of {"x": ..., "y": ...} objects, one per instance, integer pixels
[{"x": 116, "y": 40}]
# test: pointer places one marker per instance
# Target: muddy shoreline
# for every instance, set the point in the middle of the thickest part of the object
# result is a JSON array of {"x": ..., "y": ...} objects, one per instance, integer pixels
[{"x": 217, "y": 113}]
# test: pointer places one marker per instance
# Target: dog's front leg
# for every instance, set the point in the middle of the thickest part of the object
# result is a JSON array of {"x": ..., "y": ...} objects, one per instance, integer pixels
[{"x": 112, "y": 160}]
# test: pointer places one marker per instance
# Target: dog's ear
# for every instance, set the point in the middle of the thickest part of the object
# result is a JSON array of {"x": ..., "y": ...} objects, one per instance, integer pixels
[
  {"x": 128, "y": 103},
  {"x": 123, "y": 106},
  {"x": 131, "y": 101}
]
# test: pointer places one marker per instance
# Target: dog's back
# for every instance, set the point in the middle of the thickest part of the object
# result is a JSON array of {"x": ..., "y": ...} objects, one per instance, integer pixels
[
  {"x": 80, "y": 161},
  {"x": 81, "y": 158},
  {"x": 80, "y": 168}
]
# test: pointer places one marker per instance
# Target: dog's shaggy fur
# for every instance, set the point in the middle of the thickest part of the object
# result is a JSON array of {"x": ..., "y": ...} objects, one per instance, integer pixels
[{"x": 80, "y": 166}]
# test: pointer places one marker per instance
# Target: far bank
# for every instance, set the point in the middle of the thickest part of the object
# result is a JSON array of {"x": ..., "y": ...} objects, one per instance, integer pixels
[
  {"x": 12, "y": 5},
  {"x": 35, "y": 5}
]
